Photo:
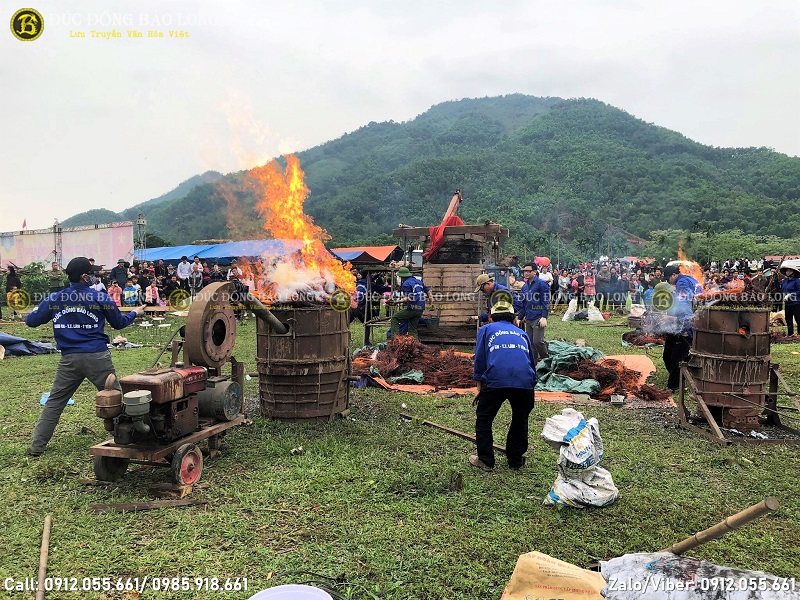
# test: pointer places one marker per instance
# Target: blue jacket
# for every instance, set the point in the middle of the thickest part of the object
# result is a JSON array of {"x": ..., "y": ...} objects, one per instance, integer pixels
[
  {"x": 504, "y": 357},
  {"x": 686, "y": 288},
  {"x": 361, "y": 291},
  {"x": 791, "y": 291},
  {"x": 79, "y": 316},
  {"x": 535, "y": 300},
  {"x": 500, "y": 292},
  {"x": 415, "y": 290}
]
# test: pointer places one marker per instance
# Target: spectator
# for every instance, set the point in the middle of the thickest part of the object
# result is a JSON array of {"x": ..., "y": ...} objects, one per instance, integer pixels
[
  {"x": 589, "y": 290},
  {"x": 206, "y": 274},
  {"x": 13, "y": 287},
  {"x": 160, "y": 270},
  {"x": 184, "y": 271},
  {"x": 115, "y": 292},
  {"x": 151, "y": 296},
  {"x": 129, "y": 294},
  {"x": 120, "y": 273},
  {"x": 216, "y": 275},
  {"x": 138, "y": 288},
  {"x": 56, "y": 277}
]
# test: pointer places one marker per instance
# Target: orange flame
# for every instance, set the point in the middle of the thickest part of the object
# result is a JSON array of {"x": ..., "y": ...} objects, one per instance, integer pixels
[
  {"x": 312, "y": 272},
  {"x": 689, "y": 267}
]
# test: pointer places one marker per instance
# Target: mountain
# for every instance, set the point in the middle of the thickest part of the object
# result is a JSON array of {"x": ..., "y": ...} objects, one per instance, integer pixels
[
  {"x": 554, "y": 171},
  {"x": 102, "y": 215}
]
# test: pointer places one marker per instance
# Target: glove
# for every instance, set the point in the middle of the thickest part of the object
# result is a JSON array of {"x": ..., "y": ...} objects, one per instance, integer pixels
[{"x": 542, "y": 323}]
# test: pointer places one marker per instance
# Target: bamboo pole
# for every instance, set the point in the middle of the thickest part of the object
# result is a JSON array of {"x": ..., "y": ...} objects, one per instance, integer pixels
[
  {"x": 45, "y": 550},
  {"x": 733, "y": 522}
]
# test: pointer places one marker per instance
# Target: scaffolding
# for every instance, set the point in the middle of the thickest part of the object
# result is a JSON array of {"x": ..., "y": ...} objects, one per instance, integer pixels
[{"x": 140, "y": 237}]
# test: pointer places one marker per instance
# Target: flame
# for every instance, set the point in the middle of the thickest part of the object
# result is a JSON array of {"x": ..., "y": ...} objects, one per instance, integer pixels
[
  {"x": 311, "y": 273},
  {"x": 689, "y": 267}
]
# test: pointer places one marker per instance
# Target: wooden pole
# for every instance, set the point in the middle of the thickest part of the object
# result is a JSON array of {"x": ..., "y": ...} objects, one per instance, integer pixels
[
  {"x": 45, "y": 550},
  {"x": 736, "y": 521},
  {"x": 455, "y": 432}
]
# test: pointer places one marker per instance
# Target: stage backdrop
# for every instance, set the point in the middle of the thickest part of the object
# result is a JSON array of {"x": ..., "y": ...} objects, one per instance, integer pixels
[{"x": 105, "y": 243}]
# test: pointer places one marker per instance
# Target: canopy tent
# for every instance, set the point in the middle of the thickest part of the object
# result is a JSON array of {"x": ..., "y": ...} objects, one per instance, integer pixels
[
  {"x": 368, "y": 255},
  {"x": 222, "y": 253}
]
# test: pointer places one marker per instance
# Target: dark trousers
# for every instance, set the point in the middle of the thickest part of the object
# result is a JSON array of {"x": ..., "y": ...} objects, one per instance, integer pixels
[
  {"x": 676, "y": 351},
  {"x": 489, "y": 402},
  {"x": 792, "y": 314},
  {"x": 72, "y": 370}
]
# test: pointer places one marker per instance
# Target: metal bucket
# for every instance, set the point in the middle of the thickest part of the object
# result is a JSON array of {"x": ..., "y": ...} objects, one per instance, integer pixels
[{"x": 303, "y": 373}]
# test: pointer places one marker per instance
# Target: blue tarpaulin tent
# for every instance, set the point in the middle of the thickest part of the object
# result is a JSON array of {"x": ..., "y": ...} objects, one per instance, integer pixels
[{"x": 222, "y": 253}]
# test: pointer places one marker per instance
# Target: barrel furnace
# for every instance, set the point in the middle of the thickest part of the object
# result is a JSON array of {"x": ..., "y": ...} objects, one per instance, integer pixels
[{"x": 303, "y": 373}]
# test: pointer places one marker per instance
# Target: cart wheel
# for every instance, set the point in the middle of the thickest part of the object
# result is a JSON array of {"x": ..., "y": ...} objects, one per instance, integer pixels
[
  {"x": 187, "y": 465},
  {"x": 109, "y": 468}
]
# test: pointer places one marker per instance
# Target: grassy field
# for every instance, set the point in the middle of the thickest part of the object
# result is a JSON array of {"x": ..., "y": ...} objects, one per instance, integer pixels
[{"x": 370, "y": 501}]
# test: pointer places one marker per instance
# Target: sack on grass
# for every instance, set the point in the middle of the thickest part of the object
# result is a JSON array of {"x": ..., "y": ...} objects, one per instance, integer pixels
[
  {"x": 664, "y": 576},
  {"x": 572, "y": 308},
  {"x": 594, "y": 313},
  {"x": 590, "y": 487},
  {"x": 540, "y": 576}
]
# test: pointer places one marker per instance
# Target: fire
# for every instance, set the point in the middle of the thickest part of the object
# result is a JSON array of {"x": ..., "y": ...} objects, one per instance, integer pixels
[
  {"x": 689, "y": 267},
  {"x": 311, "y": 273}
]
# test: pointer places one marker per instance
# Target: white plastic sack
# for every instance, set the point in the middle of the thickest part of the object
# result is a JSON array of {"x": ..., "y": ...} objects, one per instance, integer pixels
[
  {"x": 576, "y": 439},
  {"x": 581, "y": 481},
  {"x": 572, "y": 308},
  {"x": 590, "y": 487},
  {"x": 594, "y": 314},
  {"x": 637, "y": 310},
  {"x": 664, "y": 576}
]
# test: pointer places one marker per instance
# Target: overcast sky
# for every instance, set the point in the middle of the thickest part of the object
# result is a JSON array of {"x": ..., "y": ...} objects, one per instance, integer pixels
[{"x": 92, "y": 122}]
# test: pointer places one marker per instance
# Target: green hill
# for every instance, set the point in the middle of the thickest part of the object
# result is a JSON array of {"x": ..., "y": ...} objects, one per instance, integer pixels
[{"x": 553, "y": 170}]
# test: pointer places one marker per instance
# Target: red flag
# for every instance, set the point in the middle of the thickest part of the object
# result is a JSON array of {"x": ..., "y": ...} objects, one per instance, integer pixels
[{"x": 24, "y": 223}]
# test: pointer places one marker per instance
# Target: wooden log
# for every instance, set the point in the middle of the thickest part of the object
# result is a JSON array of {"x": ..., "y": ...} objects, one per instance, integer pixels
[
  {"x": 43, "y": 554},
  {"x": 455, "y": 432},
  {"x": 140, "y": 506},
  {"x": 733, "y": 522}
]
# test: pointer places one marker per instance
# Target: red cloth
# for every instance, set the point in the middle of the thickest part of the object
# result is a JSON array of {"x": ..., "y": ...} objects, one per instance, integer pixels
[{"x": 437, "y": 235}]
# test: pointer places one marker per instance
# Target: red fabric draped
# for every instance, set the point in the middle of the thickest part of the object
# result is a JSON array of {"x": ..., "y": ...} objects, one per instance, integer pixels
[{"x": 437, "y": 235}]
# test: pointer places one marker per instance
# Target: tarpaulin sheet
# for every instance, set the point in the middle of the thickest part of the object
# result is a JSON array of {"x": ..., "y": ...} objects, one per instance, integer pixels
[
  {"x": 17, "y": 346},
  {"x": 564, "y": 355}
]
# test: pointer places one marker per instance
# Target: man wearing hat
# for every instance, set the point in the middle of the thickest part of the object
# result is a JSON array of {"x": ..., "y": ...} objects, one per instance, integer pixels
[
  {"x": 790, "y": 287},
  {"x": 79, "y": 314},
  {"x": 120, "y": 273},
  {"x": 534, "y": 308},
  {"x": 678, "y": 342},
  {"x": 494, "y": 292},
  {"x": 505, "y": 369},
  {"x": 412, "y": 292}
]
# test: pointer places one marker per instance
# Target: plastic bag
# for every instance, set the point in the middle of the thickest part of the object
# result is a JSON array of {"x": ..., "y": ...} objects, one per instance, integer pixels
[
  {"x": 572, "y": 308},
  {"x": 540, "y": 576},
  {"x": 637, "y": 310},
  {"x": 594, "y": 313},
  {"x": 664, "y": 576},
  {"x": 580, "y": 481}
]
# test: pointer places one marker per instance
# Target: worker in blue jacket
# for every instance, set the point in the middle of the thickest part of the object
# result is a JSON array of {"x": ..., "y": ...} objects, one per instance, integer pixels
[
  {"x": 79, "y": 314},
  {"x": 535, "y": 307},
  {"x": 505, "y": 369},
  {"x": 790, "y": 287},
  {"x": 494, "y": 292},
  {"x": 366, "y": 293},
  {"x": 678, "y": 342},
  {"x": 413, "y": 293}
]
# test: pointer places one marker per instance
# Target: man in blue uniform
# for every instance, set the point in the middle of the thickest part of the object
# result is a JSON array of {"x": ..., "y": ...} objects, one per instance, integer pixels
[
  {"x": 505, "y": 369},
  {"x": 790, "y": 287},
  {"x": 678, "y": 342},
  {"x": 535, "y": 307},
  {"x": 367, "y": 292},
  {"x": 494, "y": 292},
  {"x": 79, "y": 314},
  {"x": 413, "y": 293}
]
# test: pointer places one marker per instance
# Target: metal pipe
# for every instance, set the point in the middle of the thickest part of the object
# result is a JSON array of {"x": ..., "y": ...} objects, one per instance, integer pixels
[
  {"x": 736, "y": 521},
  {"x": 254, "y": 305}
]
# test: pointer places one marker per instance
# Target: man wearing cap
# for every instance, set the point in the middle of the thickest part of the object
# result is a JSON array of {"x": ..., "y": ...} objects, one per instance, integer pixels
[
  {"x": 678, "y": 342},
  {"x": 412, "y": 292},
  {"x": 534, "y": 308},
  {"x": 79, "y": 314},
  {"x": 790, "y": 287},
  {"x": 505, "y": 369},
  {"x": 494, "y": 292},
  {"x": 120, "y": 273}
]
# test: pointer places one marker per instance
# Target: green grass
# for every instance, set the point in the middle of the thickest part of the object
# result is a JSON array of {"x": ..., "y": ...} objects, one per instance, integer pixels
[{"x": 370, "y": 499}]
